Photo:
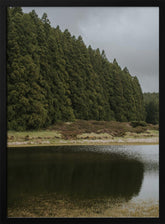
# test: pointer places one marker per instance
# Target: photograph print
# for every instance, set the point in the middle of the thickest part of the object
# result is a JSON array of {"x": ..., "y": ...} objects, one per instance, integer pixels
[{"x": 82, "y": 112}]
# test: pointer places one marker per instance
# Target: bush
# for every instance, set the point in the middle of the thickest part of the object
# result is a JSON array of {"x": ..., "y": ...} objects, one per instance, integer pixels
[
  {"x": 138, "y": 123},
  {"x": 139, "y": 129}
]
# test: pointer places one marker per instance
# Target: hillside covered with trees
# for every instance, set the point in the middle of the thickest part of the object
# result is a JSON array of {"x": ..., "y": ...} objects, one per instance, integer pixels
[
  {"x": 151, "y": 102},
  {"x": 52, "y": 76}
]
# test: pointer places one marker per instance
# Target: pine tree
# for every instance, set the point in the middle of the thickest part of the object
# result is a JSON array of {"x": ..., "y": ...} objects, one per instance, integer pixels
[{"x": 53, "y": 76}]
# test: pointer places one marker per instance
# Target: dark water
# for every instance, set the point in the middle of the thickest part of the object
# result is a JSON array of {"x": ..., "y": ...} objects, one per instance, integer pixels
[{"x": 83, "y": 172}]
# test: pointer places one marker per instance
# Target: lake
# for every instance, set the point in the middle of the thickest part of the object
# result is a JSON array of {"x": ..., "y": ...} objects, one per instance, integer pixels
[{"x": 82, "y": 181}]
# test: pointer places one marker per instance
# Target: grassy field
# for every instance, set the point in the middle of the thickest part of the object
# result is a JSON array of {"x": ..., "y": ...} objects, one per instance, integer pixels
[{"x": 87, "y": 132}]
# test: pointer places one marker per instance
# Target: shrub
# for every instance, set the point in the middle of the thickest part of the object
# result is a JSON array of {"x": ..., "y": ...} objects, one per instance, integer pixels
[{"x": 138, "y": 123}]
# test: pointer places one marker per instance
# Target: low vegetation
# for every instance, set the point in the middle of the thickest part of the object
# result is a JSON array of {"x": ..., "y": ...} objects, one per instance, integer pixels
[
  {"x": 70, "y": 130},
  {"x": 82, "y": 130}
]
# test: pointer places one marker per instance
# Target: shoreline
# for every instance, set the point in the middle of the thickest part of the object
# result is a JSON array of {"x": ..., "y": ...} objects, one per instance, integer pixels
[
  {"x": 55, "y": 209},
  {"x": 118, "y": 141},
  {"x": 86, "y": 133}
]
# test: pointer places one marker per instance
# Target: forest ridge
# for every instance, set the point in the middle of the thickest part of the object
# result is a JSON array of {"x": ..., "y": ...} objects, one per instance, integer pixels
[{"x": 52, "y": 76}]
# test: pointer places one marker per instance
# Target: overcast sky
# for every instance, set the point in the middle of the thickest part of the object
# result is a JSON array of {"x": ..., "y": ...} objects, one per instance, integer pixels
[{"x": 129, "y": 34}]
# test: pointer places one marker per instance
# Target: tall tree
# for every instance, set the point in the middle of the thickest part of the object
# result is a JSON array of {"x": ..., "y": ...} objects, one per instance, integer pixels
[{"x": 53, "y": 76}]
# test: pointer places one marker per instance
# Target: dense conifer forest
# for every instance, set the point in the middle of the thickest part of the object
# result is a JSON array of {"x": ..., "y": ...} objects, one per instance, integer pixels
[
  {"x": 53, "y": 76},
  {"x": 151, "y": 102}
]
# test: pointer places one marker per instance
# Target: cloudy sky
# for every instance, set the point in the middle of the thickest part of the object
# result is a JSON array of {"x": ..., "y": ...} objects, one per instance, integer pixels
[{"x": 129, "y": 34}]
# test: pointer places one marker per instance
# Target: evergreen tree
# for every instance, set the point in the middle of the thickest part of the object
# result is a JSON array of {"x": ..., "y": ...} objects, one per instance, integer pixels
[
  {"x": 53, "y": 76},
  {"x": 151, "y": 102}
]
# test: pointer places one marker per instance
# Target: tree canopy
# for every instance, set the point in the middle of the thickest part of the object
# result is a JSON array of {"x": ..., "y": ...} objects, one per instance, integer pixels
[
  {"x": 151, "y": 101},
  {"x": 53, "y": 76}
]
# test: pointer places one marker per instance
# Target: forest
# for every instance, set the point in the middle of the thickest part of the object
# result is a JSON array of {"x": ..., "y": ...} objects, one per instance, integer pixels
[
  {"x": 53, "y": 76},
  {"x": 151, "y": 102}
]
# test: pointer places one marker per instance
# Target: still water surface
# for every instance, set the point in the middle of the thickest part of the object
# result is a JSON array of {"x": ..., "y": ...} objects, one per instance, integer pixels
[{"x": 83, "y": 173}]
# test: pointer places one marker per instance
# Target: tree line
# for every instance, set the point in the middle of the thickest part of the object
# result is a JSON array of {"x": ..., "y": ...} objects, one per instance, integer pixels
[
  {"x": 53, "y": 76},
  {"x": 151, "y": 102}
]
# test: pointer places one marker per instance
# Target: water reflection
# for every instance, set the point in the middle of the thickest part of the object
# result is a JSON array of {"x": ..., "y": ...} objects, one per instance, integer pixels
[{"x": 72, "y": 173}]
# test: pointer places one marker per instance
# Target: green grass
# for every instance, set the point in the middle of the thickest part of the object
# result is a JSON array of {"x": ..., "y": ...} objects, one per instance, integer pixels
[{"x": 31, "y": 135}]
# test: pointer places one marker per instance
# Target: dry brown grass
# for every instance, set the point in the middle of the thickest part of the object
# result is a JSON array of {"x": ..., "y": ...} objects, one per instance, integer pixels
[
  {"x": 85, "y": 132},
  {"x": 70, "y": 130}
]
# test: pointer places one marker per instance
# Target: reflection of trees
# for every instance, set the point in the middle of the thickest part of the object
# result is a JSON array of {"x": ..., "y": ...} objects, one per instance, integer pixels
[{"x": 81, "y": 175}]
